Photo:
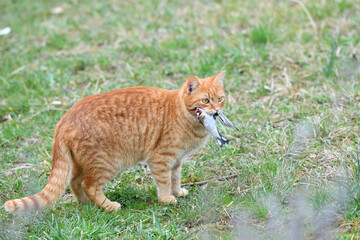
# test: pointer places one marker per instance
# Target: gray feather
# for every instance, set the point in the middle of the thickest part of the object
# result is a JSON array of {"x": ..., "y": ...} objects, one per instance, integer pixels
[{"x": 225, "y": 121}]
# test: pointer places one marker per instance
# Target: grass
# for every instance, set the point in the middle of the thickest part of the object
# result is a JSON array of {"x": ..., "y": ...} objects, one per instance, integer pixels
[{"x": 292, "y": 87}]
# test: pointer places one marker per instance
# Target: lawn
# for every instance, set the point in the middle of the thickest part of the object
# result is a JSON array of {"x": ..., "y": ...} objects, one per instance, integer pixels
[{"x": 292, "y": 86}]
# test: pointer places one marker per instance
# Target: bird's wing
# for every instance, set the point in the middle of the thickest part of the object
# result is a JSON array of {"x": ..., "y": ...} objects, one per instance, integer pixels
[{"x": 225, "y": 121}]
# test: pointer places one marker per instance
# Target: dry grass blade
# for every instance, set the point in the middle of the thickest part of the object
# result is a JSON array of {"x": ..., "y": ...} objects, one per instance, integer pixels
[
  {"x": 42, "y": 145},
  {"x": 10, "y": 171},
  {"x": 312, "y": 22},
  {"x": 211, "y": 180},
  {"x": 47, "y": 161}
]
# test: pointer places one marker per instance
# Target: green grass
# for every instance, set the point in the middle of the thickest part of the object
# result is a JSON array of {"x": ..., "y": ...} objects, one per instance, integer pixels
[{"x": 292, "y": 88}]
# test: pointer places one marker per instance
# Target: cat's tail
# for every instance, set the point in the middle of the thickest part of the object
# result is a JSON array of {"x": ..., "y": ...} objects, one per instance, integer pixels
[{"x": 55, "y": 187}]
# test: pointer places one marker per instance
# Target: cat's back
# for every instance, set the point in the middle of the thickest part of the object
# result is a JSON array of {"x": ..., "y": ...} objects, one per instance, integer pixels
[
  {"x": 120, "y": 102},
  {"x": 132, "y": 110},
  {"x": 122, "y": 97}
]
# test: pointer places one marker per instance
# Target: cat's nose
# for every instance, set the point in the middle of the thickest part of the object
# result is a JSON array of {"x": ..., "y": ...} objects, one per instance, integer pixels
[{"x": 217, "y": 110}]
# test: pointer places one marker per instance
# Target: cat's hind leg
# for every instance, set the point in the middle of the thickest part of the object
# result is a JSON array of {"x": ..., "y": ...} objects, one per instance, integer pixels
[
  {"x": 76, "y": 187},
  {"x": 93, "y": 184}
]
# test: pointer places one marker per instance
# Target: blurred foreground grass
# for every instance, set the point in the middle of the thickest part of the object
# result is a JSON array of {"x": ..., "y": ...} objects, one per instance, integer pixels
[{"x": 293, "y": 90}]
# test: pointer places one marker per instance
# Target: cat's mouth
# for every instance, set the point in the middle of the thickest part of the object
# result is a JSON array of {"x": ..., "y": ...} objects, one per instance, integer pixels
[{"x": 199, "y": 111}]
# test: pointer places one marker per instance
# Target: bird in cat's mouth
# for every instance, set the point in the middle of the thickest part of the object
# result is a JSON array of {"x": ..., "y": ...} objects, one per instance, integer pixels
[{"x": 209, "y": 122}]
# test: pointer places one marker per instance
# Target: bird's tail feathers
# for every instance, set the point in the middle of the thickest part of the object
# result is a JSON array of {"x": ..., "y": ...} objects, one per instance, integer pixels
[{"x": 222, "y": 140}]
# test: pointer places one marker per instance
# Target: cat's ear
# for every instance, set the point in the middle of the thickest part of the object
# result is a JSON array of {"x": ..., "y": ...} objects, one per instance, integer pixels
[
  {"x": 192, "y": 84},
  {"x": 220, "y": 78}
]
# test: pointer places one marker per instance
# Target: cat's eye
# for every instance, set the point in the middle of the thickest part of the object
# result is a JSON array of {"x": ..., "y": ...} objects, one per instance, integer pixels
[
  {"x": 205, "y": 100},
  {"x": 220, "y": 99}
]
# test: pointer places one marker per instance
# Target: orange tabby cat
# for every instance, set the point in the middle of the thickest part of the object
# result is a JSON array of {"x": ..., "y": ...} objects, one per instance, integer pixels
[{"x": 105, "y": 133}]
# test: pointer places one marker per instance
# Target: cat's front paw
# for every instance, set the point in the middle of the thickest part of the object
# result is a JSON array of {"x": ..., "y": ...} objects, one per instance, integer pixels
[
  {"x": 113, "y": 206},
  {"x": 168, "y": 199},
  {"x": 182, "y": 192}
]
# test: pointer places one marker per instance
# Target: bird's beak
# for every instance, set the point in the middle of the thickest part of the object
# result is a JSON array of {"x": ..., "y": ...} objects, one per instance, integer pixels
[{"x": 216, "y": 114}]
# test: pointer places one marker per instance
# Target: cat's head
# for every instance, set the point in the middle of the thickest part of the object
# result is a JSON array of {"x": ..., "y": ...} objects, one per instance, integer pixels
[{"x": 207, "y": 93}]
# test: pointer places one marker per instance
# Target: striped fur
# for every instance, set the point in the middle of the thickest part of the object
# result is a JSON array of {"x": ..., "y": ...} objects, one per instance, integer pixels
[{"x": 105, "y": 133}]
